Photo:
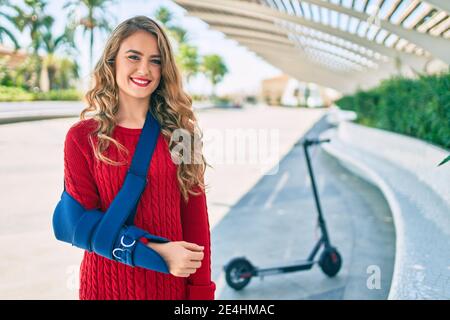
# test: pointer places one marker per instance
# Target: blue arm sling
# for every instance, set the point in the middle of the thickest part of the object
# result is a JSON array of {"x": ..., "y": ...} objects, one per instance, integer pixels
[{"x": 112, "y": 234}]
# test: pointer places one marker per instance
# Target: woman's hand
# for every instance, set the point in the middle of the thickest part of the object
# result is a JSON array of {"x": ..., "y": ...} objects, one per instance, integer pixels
[{"x": 183, "y": 258}]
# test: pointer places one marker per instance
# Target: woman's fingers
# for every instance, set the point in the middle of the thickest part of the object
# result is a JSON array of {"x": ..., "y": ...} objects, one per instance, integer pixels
[
  {"x": 192, "y": 246},
  {"x": 195, "y": 264},
  {"x": 185, "y": 258},
  {"x": 186, "y": 272},
  {"x": 184, "y": 275},
  {"x": 190, "y": 270},
  {"x": 197, "y": 256}
]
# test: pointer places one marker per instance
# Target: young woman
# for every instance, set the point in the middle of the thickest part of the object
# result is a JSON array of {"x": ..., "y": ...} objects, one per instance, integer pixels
[{"x": 137, "y": 74}]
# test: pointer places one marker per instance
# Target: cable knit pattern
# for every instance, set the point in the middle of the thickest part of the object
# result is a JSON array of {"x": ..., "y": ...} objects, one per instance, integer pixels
[{"x": 161, "y": 211}]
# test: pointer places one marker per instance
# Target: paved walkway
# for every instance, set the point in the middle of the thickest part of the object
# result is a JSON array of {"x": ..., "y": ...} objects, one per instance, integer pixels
[
  {"x": 274, "y": 224},
  {"x": 35, "y": 265},
  {"x": 246, "y": 216}
]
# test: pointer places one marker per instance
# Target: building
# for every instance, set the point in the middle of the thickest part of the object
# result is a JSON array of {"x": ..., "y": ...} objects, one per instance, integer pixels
[{"x": 287, "y": 91}]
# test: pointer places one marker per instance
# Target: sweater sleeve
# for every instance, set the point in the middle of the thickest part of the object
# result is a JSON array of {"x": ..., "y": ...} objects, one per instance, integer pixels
[
  {"x": 78, "y": 178},
  {"x": 194, "y": 215}
]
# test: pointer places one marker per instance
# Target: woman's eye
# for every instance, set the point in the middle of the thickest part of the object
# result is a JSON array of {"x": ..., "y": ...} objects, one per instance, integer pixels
[
  {"x": 156, "y": 61},
  {"x": 133, "y": 58}
]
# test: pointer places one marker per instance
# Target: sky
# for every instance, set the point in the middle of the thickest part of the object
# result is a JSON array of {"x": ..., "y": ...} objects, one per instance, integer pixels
[{"x": 246, "y": 70}]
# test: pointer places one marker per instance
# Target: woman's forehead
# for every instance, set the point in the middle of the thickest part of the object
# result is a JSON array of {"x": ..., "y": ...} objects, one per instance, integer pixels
[{"x": 142, "y": 42}]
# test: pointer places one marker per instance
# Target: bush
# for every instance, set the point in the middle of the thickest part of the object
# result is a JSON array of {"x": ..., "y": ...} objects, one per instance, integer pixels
[
  {"x": 14, "y": 94},
  {"x": 25, "y": 75},
  {"x": 20, "y": 94},
  {"x": 416, "y": 107},
  {"x": 198, "y": 97},
  {"x": 68, "y": 94}
]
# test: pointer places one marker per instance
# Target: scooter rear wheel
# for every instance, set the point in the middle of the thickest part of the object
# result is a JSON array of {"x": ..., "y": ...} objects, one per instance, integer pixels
[
  {"x": 238, "y": 273},
  {"x": 330, "y": 262}
]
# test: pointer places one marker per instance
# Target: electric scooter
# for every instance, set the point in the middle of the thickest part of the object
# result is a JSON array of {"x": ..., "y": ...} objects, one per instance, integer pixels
[{"x": 239, "y": 271}]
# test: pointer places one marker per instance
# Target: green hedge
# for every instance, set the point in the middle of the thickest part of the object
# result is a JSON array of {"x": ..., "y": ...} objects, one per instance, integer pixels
[
  {"x": 416, "y": 107},
  {"x": 20, "y": 94},
  {"x": 14, "y": 94},
  {"x": 68, "y": 94}
]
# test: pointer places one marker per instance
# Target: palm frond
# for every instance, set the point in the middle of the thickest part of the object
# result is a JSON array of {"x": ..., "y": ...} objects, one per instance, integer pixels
[{"x": 10, "y": 36}]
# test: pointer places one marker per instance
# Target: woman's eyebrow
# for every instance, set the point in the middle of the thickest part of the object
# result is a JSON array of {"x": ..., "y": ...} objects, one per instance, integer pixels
[{"x": 141, "y": 54}]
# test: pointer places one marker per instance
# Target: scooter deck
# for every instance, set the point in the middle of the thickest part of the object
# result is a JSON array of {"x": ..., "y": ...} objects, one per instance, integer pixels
[{"x": 298, "y": 266}]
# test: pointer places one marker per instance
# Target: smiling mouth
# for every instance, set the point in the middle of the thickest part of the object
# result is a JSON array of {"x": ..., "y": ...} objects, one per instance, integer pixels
[{"x": 140, "y": 82}]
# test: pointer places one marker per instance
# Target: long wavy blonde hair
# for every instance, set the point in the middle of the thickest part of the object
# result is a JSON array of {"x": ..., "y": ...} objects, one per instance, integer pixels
[{"x": 169, "y": 104}]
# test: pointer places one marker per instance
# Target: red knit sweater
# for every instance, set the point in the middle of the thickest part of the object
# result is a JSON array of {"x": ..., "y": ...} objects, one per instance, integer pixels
[{"x": 161, "y": 211}]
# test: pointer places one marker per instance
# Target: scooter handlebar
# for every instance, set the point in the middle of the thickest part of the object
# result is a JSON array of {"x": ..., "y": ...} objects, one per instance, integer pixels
[{"x": 310, "y": 142}]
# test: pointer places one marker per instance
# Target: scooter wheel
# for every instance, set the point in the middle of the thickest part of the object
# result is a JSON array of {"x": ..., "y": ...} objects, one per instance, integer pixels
[
  {"x": 330, "y": 261},
  {"x": 238, "y": 273}
]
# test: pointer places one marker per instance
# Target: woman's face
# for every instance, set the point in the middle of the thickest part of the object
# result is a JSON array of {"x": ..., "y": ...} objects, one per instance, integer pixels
[{"x": 138, "y": 66}]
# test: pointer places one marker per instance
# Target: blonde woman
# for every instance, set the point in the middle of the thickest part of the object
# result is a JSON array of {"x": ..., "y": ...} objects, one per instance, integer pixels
[{"x": 137, "y": 74}]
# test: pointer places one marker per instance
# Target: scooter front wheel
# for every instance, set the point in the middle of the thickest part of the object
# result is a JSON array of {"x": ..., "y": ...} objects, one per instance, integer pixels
[
  {"x": 330, "y": 261},
  {"x": 238, "y": 273}
]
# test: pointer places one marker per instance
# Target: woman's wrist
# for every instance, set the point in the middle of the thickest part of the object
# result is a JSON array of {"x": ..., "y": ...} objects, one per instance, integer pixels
[{"x": 155, "y": 245}]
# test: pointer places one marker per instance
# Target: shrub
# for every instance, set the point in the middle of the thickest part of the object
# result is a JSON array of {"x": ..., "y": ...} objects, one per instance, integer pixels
[
  {"x": 14, "y": 94},
  {"x": 68, "y": 94},
  {"x": 416, "y": 107},
  {"x": 20, "y": 94}
]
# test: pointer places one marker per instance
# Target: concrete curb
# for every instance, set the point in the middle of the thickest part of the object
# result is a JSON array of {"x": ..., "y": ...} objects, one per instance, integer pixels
[
  {"x": 371, "y": 176},
  {"x": 405, "y": 261},
  {"x": 44, "y": 110},
  {"x": 13, "y": 117}
]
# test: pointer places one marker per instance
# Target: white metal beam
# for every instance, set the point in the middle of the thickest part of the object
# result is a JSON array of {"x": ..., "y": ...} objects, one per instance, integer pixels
[
  {"x": 244, "y": 22},
  {"x": 354, "y": 80},
  {"x": 239, "y": 34},
  {"x": 440, "y": 4},
  {"x": 258, "y": 11},
  {"x": 439, "y": 47}
]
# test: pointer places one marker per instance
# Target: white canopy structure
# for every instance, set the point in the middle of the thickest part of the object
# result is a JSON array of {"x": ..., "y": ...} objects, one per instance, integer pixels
[{"x": 341, "y": 44}]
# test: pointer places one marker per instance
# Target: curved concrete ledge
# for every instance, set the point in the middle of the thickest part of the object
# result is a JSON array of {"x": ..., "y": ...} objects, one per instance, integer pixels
[
  {"x": 417, "y": 191},
  {"x": 11, "y": 112}
]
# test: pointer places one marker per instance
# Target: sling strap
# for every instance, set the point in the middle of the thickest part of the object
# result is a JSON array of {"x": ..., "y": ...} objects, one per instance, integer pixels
[{"x": 112, "y": 234}]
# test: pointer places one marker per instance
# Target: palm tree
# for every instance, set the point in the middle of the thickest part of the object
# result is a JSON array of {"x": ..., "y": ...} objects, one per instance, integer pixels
[
  {"x": 65, "y": 41},
  {"x": 188, "y": 60},
  {"x": 33, "y": 18},
  {"x": 68, "y": 70},
  {"x": 96, "y": 18},
  {"x": 163, "y": 15},
  {"x": 4, "y": 31},
  {"x": 187, "y": 56},
  {"x": 215, "y": 69},
  {"x": 179, "y": 34},
  {"x": 50, "y": 44}
]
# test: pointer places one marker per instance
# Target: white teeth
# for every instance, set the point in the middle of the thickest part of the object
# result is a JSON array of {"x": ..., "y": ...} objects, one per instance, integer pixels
[{"x": 140, "y": 81}]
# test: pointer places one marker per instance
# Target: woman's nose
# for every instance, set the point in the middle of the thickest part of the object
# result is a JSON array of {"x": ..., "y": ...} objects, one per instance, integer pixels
[{"x": 144, "y": 68}]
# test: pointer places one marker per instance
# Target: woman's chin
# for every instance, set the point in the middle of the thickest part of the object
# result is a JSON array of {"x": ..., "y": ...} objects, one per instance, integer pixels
[{"x": 139, "y": 95}]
